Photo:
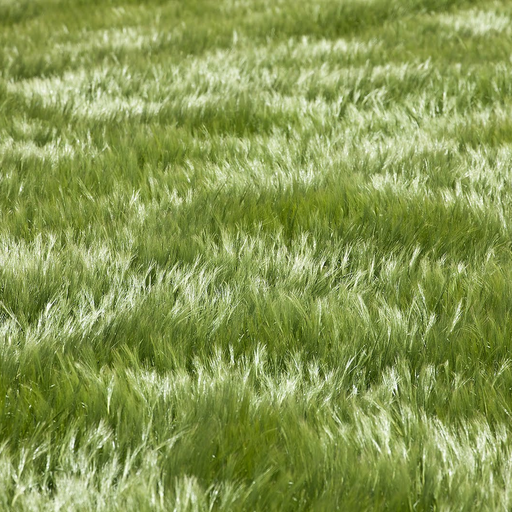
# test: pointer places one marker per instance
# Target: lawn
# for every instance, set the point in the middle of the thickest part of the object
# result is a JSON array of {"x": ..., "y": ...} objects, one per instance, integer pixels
[{"x": 255, "y": 255}]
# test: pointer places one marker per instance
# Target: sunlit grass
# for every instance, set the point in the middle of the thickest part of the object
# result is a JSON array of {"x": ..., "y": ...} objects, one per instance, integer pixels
[{"x": 255, "y": 255}]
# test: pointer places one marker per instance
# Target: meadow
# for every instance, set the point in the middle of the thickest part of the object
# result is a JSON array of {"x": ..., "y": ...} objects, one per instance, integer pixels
[{"x": 255, "y": 255}]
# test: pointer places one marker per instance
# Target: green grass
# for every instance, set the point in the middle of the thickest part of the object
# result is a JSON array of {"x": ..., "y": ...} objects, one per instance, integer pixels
[{"x": 255, "y": 255}]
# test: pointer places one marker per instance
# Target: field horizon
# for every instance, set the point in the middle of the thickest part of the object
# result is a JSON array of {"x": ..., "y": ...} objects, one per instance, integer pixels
[{"x": 255, "y": 255}]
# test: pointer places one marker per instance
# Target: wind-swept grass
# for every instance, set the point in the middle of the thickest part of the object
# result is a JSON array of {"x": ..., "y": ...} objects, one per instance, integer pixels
[{"x": 255, "y": 255}]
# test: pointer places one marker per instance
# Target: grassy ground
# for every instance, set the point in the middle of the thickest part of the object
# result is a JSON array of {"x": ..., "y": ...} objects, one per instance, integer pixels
[{"x": 255, "y": 255}]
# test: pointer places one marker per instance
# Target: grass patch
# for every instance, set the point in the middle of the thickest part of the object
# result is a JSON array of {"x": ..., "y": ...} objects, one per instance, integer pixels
[{"x": 255, "y": 255}]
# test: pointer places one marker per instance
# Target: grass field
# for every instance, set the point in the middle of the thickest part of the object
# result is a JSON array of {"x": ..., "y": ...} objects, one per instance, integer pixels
[{"x": 255, "y": 255}]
